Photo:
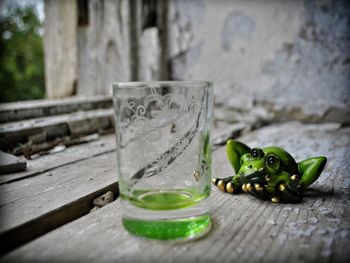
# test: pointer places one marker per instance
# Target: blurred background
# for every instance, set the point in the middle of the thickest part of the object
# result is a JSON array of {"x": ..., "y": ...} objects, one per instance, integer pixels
[
  {"x": 21, "y": 50},
  {"x": 269, "y": 60}
]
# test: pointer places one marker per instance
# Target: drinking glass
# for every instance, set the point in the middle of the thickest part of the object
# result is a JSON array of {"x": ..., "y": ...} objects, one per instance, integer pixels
[{"x": 164, "y": 157}]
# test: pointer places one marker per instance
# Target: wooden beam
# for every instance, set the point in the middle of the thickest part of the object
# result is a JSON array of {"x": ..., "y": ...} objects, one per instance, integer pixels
[
  {"x": 60, "y": 46},
  {"x": 103, "y": 47}
]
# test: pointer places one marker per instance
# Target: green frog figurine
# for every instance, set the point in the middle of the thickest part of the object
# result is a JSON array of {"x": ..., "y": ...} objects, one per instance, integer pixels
[{"x": 269, "y": 173}]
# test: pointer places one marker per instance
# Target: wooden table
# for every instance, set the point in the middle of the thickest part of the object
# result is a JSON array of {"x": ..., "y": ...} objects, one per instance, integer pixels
[{"x": 45, "y": 210}]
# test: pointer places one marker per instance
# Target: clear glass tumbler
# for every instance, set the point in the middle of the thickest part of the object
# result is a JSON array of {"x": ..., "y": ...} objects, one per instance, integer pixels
[{"x": 164, "y": 157}]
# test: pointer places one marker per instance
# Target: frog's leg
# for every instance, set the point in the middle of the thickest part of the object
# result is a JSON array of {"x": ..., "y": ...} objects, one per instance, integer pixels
[
  {"x": 283, "y": 188},
  {"x": 310, "y": 169},
  {"x": 229, "y": 184},
  {"x": 235, "y": 150}
]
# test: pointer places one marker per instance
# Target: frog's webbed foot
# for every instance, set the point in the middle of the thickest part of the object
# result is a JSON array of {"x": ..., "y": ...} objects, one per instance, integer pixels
[
  {"x": 255, "y": 189},
  {"x": 285, "y": 194},
  {"x": 225, "y": 184}
]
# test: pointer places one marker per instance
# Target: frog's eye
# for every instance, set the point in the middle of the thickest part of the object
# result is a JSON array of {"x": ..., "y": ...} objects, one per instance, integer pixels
[
  {"x": 256, "y": 153},
  {"x": 271, "y": 160}
]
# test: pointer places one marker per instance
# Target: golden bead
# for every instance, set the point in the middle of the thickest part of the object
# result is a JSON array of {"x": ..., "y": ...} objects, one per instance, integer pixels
[
  {"x": 258, "y": 187},
  {"x": 221, "y": 185},
  {"x": 275, "y": 199},
  {"x": 282, "y": 187},
  {"x": 249, "y": 187},
  {"x": 229, "y": 188}
]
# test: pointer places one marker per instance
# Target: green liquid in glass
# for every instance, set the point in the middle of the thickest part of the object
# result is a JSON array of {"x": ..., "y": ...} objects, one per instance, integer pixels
[
  {"x": 165, "y": 200},
  {"x": 167, "y": 229}
]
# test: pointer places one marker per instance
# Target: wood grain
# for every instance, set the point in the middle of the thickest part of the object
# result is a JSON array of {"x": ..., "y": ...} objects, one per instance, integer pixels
[
  {"x": 245, "y": 229},
  {"x": 103, "y": 47}
]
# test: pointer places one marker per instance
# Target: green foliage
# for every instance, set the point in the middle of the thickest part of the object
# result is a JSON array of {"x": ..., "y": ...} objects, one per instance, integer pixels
[{"x": 21, "y": 55}]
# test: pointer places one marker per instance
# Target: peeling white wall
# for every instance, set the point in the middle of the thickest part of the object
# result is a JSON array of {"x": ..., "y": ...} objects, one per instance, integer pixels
[{"x": 288, "y": 54}]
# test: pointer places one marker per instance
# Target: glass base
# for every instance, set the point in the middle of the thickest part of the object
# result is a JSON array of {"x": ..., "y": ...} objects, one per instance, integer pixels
[{"x": 178, "y": 229}]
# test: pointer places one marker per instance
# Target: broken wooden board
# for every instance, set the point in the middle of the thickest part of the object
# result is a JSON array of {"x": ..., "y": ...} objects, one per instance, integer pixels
[
  {"x": 46, "y": 163},
  {"x": 245, "y": 229},
  {"x": 17, "y": 111},
  {"x": 10, "y": 163},
  {"x": 77, "y": 123}
]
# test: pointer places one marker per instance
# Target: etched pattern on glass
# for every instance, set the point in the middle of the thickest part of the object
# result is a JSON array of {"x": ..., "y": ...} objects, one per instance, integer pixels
[{"x": 171, "y": 120}]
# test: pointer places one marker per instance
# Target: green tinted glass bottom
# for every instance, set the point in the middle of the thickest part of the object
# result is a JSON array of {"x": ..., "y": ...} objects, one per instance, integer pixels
[
  {"x": 165, "y": 200},
  {"x": 169, "y": 229},
  {"x": 186, "y": 226}
]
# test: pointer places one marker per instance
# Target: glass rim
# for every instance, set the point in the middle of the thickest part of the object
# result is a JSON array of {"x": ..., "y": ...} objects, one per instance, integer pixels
[{"x": 132, "y": 84}]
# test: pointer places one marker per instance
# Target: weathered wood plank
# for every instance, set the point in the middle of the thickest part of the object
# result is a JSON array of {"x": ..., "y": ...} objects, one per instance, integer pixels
[
  {"x": 46, "y": 163},
  {"x": 31, "y": 207},
  {"x": 16, "y": 111},
  {"x": 77, "y": 123},
  {"x": 52, "y": 219},
  {"x": 245, "y": 229},
  {"x": 24, "y": 125}
]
